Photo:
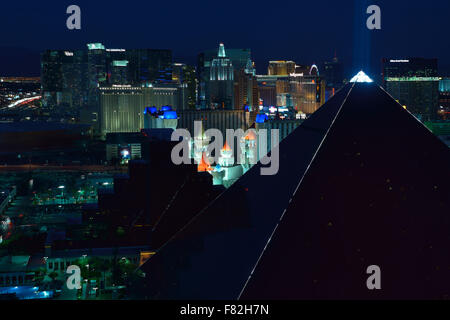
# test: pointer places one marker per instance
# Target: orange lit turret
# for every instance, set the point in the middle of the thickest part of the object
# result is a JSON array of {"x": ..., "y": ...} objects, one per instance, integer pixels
[
  {"x": 226, "y": 147},
  {"x": 204, "y": 165},
  {"x": 251, "y": 135}
]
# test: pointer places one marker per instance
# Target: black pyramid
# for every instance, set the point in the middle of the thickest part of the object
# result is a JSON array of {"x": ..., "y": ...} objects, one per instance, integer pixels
[{"x": 361, "y": 182}]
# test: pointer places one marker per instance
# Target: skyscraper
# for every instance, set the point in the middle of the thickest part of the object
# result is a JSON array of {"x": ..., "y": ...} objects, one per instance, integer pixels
[
  {"x": 118, "y": 72},
  {"x": 303, "y": 92},
  {"x": 444, "y": 97},
  {"x": 64, "y": 77},
  {"x": 150, "y": 65},
  {"x": 414, "y": 83},
  {"x": 186, "y": 75},
  {"x": 52, "y": 79},
  {"x": 333, "y": 72},
  {"x": 97, "y": 71},
  {"x": 239, "y": 59},
  {"x": 267, "y": 93},
  {"x": 219, "y": 87},
  {"x": 281, "y": 68},
  {"x": 246, "y": 92}
]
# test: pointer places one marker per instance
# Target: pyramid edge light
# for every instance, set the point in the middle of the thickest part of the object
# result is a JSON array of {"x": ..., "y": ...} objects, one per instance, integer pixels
[{"x": 361, "y": 77}]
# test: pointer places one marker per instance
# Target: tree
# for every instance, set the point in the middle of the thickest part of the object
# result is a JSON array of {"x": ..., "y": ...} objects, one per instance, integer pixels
[
  {"x": 40, "y": 276},
  {"x": 53, "y": 275},
  {"x": 92, "y": 268},
  {"x": 125, "y": 270},
  {"x": 120, "y": 231}
]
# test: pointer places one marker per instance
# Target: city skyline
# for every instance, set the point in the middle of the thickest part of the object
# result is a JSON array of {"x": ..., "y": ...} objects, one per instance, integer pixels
[{"x": 207, "y": 151}]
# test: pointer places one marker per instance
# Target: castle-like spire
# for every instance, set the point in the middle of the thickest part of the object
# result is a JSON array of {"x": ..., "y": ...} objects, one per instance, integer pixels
[
  {"x": 221, "y": 53},
  {"x": 251, "y": 135}
]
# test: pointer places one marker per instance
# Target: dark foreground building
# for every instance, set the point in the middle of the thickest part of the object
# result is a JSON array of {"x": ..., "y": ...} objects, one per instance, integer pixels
[
  {"x": 27, "y": 135},
  {"x": 361, "y": 183}
]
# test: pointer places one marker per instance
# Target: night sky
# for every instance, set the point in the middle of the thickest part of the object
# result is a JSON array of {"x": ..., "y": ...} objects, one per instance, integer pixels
[{"x": 304, "y": 31}]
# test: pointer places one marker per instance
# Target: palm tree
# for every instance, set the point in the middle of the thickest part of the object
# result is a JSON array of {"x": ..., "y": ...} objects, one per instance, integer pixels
[
  {"x": 53, "y": 275},
  {"x": 40, "y": 276}
]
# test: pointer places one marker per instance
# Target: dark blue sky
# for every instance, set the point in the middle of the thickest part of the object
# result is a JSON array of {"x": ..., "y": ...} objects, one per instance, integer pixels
[{"x": 305, "y": 31}]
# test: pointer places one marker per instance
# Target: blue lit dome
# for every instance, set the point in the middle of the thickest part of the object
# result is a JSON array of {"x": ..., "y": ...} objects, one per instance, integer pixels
[
  {"x": 150, "y": 110},
  {"x": 261, "y": 118},
  {"x": 169, "y": 115},
  {"x": 166, "y": 108}
]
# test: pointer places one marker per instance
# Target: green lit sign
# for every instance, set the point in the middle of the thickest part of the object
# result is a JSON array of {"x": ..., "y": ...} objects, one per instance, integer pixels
[
  {"x": 96, "y": 46},
  {"x": 412, "y": 79},
  {"x": 120, "y": 63}
]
